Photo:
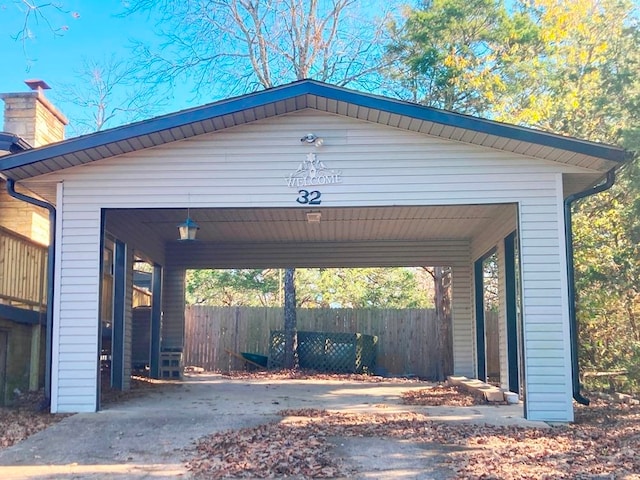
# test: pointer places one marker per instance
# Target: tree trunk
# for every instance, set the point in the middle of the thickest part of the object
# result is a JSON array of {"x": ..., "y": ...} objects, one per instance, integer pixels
[
  {"x": 442, "y": 301},
  {"x": 290, "y": 322}
]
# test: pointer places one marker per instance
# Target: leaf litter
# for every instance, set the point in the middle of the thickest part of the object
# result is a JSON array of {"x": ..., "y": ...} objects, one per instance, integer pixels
[{"x": 602, "y": 443}]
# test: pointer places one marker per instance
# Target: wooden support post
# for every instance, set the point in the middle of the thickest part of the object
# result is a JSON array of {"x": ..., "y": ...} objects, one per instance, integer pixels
[{"x": 34, "y": 362}]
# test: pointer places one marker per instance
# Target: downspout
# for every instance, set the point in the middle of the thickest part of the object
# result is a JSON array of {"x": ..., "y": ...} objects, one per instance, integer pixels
[
  {"x": 50, "y": 279},
  {"x": 571, "y": 287}
]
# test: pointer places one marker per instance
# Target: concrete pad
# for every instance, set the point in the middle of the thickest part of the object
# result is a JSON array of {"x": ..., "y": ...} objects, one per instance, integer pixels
[{"x": 148, "y": 437}]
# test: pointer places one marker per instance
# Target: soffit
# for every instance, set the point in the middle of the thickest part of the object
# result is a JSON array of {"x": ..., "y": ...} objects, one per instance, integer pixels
[
  {"x": 299, "y": 96},
  {"x": 286, "y": 225}
]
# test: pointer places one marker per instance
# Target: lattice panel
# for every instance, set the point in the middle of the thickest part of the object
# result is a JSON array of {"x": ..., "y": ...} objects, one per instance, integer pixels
[{"x": 328, "y": 352}]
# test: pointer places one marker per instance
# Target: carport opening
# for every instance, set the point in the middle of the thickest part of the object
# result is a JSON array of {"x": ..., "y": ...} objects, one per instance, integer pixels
[
  {"x": 491, "y": 301},
  {"x": 232, "y": 312},
  {"x": 119, "y": 361}
]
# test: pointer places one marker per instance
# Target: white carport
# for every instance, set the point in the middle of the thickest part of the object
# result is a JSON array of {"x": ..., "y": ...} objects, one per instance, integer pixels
[{"x": 395, "y": 183}]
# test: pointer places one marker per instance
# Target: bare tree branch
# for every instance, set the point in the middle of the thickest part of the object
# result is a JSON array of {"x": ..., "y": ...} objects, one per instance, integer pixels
[{"x": 244, "y": 44}]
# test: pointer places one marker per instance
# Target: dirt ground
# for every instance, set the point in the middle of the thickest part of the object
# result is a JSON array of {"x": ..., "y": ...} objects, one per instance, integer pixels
[{"x": 297, "y": 426}]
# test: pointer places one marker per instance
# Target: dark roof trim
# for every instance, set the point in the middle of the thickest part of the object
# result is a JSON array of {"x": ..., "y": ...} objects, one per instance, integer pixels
[
  {"x": 467, "y": 122},
  {"x": 12, "y": 143},
  {"x": 311, "y": 87}
]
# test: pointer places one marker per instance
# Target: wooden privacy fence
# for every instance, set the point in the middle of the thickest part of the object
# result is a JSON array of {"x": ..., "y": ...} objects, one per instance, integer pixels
[{"x": 406, "y": 338}]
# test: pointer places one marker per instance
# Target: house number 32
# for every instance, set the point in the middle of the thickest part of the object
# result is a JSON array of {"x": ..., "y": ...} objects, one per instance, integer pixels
[{"x": 309, "y": 198}]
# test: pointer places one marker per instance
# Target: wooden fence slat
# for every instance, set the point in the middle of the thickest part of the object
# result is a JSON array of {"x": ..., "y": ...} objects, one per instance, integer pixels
[{"x": 406, "y": 338}]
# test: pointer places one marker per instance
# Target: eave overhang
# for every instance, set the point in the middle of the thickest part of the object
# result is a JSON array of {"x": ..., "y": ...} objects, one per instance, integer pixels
[{"x": 309, "y": 94}]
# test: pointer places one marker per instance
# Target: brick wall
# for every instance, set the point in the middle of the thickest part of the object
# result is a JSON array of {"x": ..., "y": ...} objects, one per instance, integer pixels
[
  {"x": 23, "y": 218},
  {"x": 31, "y": 116}
]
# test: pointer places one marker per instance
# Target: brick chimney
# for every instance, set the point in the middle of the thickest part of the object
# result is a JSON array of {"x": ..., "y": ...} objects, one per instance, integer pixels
[{"x": 31, "y": 116}]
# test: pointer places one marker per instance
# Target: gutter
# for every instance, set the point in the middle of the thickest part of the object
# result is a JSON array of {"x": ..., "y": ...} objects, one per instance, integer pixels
[
  {"x": 571, "y": 287},
  {"x": 50, "y": 278}
]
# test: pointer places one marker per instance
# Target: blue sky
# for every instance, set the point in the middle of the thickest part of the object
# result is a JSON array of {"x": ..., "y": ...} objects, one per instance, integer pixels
[
  {"x": 90, "y": 30},
  {"x": 97, "y": 32}
]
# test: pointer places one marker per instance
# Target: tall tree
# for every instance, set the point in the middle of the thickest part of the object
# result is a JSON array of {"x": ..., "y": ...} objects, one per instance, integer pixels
[
  {"x": 454, "y": 54},
  {"x": 234, "y": 287},
  {"x": 570, "y": 67},
  {"x": 109, "y": 94},
  {"x": 243, "y": 45},
  {"x": 363, "y": 288}
]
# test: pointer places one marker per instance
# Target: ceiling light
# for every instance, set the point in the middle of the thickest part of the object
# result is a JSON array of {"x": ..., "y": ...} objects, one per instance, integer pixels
[
  {"x": 188, "y": 229},
  {"x": 314, "y": 217}
]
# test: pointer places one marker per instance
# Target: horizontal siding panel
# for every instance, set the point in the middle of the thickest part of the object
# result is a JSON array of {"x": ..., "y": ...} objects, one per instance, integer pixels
[
  {"x": 87, "y": 374},
  {"x": 73, "y": 382},
  {"x": 545, "y": 398},
  {"x": 549, "y": 363},
  {"x": 544, "y": 377},
  {"x": 534, "y": 327},
  {"x": 71, "y": 355},
  {"x": 549, "y": 415},
  {"x": 535, "y": 351},
  {"x": 541, "y": 301},
  {"x": 79, "y": 391},
  {"x": 283, "y": 255},
  {"x": 74, "y": 336},
  {"x": 77, "y": 404}
]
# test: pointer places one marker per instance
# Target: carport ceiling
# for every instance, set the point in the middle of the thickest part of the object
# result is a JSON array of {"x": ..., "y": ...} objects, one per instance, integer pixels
[{"x": 285, "y": 225}]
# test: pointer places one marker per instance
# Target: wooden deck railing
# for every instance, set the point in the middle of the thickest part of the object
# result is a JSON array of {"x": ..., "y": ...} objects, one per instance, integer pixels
[{"x": 23, "y": 271}]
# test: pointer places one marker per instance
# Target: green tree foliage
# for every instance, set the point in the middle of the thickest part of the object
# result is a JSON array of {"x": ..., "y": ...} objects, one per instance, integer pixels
[
  {"x": 362, "y": 288},
  {"x": 569, "y": 67},
  {"x": 315, "y": 288},
  {"x": 236, "y": 287},
  {"x": 456, "y": 54}
]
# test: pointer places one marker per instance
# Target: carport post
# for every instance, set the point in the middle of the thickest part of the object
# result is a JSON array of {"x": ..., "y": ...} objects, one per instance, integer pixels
[
  {"x": 117, "y": 342},
  {"x": 481, "y": 360},
  {"x": 156, "y": 322}
]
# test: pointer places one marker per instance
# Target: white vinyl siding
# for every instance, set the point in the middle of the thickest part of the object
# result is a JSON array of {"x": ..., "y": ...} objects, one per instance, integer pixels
[
  {"x": 173, "y": 305},
  {"x": 545, "y": 309},
  {"x": 464, "y": 344},
  {"x": 380, "y": 166},
  {"x": 76, "y": 326},
  {"x": 319, "y": 254}
]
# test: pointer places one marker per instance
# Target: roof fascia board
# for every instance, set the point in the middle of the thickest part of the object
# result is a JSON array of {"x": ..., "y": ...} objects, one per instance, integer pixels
[
  {"x": 513, "y": 132},
  {"x": 157, "y": 124},
  {"x": 311, "y": 87}
]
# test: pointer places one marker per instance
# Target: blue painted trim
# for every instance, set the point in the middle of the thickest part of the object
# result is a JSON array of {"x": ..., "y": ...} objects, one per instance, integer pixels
[
  {"x": 311, "y": 87},
  {"x": 481, "y": 350},
  {"x": 119, "y": 294},
  {"x": 103, "y": 223},
  {"x": 481, "y": 341},
  {"x": 156, "y": 322},
  {"x": 511, "y": 311},
  {"x": 21, "y": 315}
]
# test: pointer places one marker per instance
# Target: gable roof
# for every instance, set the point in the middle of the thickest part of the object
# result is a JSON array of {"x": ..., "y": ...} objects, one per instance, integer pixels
[{"x": 301, "y": 95}]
